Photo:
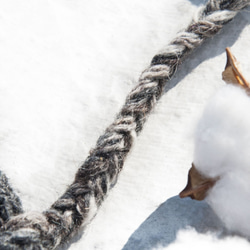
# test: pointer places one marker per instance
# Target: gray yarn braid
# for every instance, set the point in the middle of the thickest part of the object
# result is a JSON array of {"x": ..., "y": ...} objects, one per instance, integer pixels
[
  {"x": 78, "y": 205},
  {"x": 10, "y": 204}
]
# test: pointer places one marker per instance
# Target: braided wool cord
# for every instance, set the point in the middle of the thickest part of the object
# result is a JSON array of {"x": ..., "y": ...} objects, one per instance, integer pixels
[
  {"x": 78, "y": 205},
  {"x": 10, "y": 204}
]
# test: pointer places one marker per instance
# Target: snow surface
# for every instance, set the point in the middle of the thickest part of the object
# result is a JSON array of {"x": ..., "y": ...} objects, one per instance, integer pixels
[{"x": 66, "y": 68}]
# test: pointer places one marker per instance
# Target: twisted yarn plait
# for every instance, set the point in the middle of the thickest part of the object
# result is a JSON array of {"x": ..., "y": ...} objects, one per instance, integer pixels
[{"x": 78, "y": 205}]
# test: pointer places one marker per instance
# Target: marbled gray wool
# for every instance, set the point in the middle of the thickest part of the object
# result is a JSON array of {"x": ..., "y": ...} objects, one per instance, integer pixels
[
  {"x": 10, "y": 204},
  {"x": 76, "y": 207}
]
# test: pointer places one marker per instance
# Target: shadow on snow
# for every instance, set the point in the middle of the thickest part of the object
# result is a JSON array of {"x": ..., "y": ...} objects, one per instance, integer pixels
[{"x": 162, "y": 226}]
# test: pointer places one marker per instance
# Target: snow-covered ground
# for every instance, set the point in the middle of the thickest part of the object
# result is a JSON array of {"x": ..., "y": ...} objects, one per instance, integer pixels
[{"x": 65, "y": 70}]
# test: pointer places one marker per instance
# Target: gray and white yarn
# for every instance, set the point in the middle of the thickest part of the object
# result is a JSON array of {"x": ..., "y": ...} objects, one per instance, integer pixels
[
  {"x": 78, "y": 205},
  {"x": 10, "y": 204}
]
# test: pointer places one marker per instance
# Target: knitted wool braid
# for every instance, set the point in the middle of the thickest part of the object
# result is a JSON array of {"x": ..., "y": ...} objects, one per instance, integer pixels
[
  {"x": 10, "y": 204},
  {"x": 78, "y": 205}
]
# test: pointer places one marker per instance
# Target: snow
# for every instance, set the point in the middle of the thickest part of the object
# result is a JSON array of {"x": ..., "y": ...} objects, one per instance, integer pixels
[{"x": 66, "y": 68}]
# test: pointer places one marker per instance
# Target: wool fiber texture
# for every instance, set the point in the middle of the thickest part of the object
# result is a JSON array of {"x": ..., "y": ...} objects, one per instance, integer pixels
[
  {"x": 10, "y": 204},
  {"x": 78, "y": 205}
]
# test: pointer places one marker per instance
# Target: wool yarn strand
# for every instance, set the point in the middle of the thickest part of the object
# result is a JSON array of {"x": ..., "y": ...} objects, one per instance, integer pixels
[
  {"x": 10, "y": 204},
  {"x": 78, "y": 205}
]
